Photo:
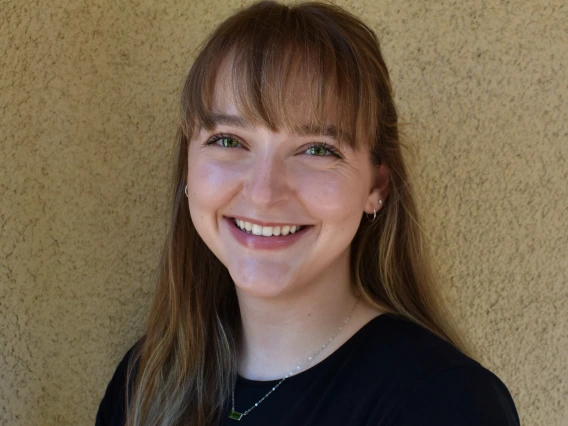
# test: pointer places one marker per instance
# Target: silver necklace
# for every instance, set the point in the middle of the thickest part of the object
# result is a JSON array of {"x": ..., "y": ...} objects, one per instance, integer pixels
[{"x": 235, "y": 415}]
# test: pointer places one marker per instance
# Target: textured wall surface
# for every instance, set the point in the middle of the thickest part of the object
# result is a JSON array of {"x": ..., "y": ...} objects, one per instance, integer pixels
[{"x": 89, "y": 93}]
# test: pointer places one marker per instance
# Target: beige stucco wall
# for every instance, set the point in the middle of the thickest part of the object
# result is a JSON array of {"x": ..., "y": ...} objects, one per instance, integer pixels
[{"x": 88, "y": 103}]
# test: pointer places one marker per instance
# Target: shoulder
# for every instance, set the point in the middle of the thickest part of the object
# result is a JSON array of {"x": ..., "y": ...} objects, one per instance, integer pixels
[
  {"x": 439, "y": 385},
  {"x": 112, "y": 408},
  {"x": 404, "y": 344},
  {"x": 464, "y": 395}
]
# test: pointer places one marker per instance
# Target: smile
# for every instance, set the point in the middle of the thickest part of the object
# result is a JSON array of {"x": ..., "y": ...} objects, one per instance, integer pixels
[{"x": 266, "y": 231}]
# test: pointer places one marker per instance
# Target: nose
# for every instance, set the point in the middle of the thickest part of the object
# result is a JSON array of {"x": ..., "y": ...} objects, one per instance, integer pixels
[{"x": 266, "y": 182}]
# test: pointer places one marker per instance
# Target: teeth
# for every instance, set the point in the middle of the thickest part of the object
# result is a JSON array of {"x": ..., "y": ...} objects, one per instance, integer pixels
[{"x": 266, "y": 231}]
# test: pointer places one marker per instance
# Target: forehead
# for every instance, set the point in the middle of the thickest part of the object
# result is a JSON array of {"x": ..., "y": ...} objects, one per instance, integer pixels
[
  {"x": 288, "y": 91},
  {"x": 293, "y": 105}
]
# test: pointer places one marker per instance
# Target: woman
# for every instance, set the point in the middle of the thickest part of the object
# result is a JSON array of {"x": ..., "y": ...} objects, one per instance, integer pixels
[{"x": 295, "y": 287}]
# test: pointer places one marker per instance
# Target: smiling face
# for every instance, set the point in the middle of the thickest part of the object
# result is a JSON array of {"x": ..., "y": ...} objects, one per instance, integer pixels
[{"x": 244, "y": 175}]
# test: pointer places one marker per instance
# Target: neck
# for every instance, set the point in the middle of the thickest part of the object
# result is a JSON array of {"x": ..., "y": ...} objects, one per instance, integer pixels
[{"x": 280, "y": 334}]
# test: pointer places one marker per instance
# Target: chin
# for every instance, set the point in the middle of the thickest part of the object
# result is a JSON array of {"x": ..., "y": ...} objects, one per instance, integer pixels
[
  {"x": 264, "y": 285},
  {"x": 262, "y": 290}
]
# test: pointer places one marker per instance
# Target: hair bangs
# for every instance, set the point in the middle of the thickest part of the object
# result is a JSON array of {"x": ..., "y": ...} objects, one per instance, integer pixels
[{"x": 283, "y": 70}]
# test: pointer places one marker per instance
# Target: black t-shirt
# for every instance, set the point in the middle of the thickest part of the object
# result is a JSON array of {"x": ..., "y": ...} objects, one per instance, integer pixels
[{"x": 391, "y": 372}]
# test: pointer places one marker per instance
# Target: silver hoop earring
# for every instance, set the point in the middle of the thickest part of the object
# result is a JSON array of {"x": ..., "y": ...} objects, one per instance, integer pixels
[
  {"x": 374, "y": 216},
  {"x": 381, "y": 202},
  {"x": 186, "y": 191}
]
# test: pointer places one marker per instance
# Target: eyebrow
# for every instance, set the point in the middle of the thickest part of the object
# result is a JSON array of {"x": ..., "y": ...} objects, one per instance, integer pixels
[
  {"x": 330, "y": 131},
  {"x": 228, "y": 120},
  {"x": 308, "y": 130}
]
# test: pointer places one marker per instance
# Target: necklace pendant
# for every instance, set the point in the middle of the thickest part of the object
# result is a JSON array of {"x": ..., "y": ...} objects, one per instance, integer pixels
[{"x": 235, "y": 415}]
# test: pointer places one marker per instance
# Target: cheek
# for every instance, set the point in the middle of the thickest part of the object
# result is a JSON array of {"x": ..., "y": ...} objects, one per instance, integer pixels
[
  {"x": 332, "y": 195},
  {"x": 211, "y": 184}
]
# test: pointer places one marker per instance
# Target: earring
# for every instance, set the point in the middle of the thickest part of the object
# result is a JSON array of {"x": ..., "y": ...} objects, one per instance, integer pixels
[
  {"x": 185, "y": 191},
  {"x": 374, "y": 212}
]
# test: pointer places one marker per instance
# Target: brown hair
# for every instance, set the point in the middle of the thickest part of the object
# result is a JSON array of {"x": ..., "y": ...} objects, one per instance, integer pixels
[{"x": 184, "y": 368}]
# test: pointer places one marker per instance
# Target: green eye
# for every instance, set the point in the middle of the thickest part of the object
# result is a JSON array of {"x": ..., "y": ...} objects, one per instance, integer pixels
[
  {"x": 229, "y": 142},
  {"x": 319, "y": 151},
  {"x": 225, "y": 141},
  {"x": 322, "y": 150}
]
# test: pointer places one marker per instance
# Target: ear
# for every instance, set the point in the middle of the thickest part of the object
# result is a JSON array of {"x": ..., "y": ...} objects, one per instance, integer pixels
[{"x": 379, "y": 189}]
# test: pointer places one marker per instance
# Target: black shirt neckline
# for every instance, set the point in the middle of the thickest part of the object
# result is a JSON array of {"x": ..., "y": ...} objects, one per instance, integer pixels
[{"x": 307, "y": 373}]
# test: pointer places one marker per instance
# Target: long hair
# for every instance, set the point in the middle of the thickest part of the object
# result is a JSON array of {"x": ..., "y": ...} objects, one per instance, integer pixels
[{"x": 184, "y": 368}]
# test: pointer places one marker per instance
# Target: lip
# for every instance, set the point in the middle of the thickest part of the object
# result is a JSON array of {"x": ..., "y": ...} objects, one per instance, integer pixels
[
  {"x": 259, "y": 242},
  {"x": 263, "y": 223}
]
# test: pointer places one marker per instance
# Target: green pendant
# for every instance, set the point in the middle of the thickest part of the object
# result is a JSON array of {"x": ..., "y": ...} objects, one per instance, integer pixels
[{"x": 235, "y": 415}]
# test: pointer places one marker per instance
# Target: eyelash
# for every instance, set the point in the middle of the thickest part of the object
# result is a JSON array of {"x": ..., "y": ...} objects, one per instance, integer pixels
[
  {"x": 216, "y": 138},
  {"x": 333, "y": 151}
]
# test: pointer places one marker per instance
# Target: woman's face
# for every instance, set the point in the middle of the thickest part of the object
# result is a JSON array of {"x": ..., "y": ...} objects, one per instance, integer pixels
[{"x": 268, "y": 182}]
